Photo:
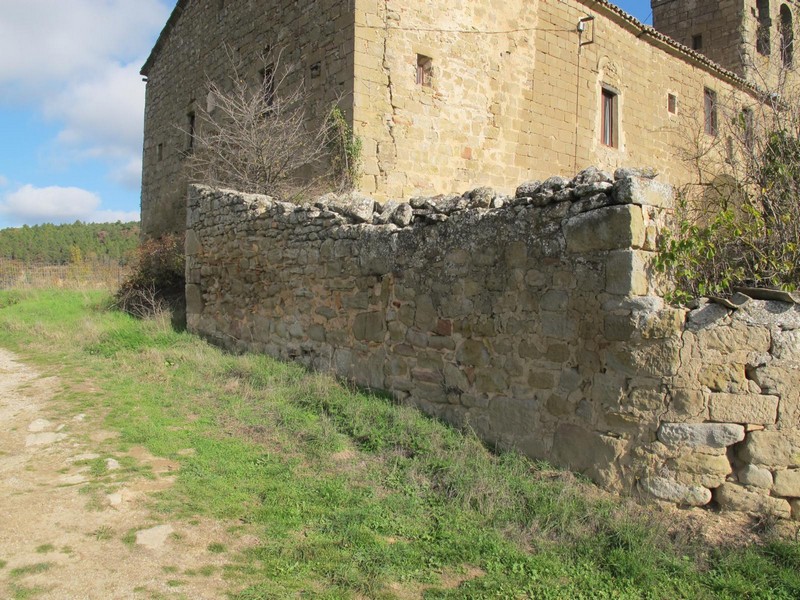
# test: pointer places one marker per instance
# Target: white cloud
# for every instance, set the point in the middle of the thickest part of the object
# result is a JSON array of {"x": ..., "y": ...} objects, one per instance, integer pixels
[
  {"x": 34, "y": 205},
  {"x": 3, "y": 181},
  {"x": 101, "y": 117},
  {"x": 46, "y": 43},
  {"x": 77, "y": 62},
  {"x": 54, "y": 204}
]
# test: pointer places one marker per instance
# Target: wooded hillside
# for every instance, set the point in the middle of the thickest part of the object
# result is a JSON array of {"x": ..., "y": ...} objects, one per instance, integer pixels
[{"x": 76, "y": 242}]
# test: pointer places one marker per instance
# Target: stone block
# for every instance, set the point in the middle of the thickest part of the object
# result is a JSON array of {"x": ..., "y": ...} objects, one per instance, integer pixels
[
  {"x": 732, "y": 496},
  {"x": 369, "y": 327},
  {"x": 513, "y": 418},
  {"x": 194, "y": 300},
  {"x": 688, "y": 404},
  {"x": 192, "y": 245},
  {"x": 626, "y": 273},
  {"x": 723, "y": 377},
  {"x": 707, "y": 470},
  {"x": 772, "y": 449},
  {"x": 697, "y": 435},
  {"x": 474, "y": 353},
  {"x": 673, "y": 491},
  {"x": 588, "y": 452},
  {"x": 618, "y": 328},
  {"x": 755, "y": 476},
  {"x": 608, "y": 228},
  {"x": 787, "y": 483},
  {"x": 641, "y": 190},
  {"x": 795, "y": 504},
  {"x": 743, "y": 408}
]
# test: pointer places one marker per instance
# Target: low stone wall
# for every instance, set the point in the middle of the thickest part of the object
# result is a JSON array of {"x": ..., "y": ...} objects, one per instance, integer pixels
[{"x": 534, "y": 320}]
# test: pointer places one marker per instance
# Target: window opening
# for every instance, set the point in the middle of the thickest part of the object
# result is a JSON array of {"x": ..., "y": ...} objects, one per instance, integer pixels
[
  {"x": 710, "y": 110},
  {"x": 608, "y": 107},
  {"x": 191, "y": 122},
  {"x": 672, "y": 104},
  {"x": 697, "y": 42},
  {"x": 160, "y": 152},
  {"x": 763, "y": 28},
  {"x": 787, "y": 36},
  {"x": 316, "y": 70},
  {"x": 424, "y": 70},
  {"x": 268, "y": 86},
  {"x": 749, "y": 128}
]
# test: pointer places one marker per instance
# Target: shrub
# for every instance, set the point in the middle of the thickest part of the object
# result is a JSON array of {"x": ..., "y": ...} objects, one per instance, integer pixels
[{"x": 156, "y": 284}]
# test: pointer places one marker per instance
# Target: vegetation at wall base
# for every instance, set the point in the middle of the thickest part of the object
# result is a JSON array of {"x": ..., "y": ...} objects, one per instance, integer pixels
[
  {"x": 351, "y": 496},
  {"x": 157, "y": 281}
]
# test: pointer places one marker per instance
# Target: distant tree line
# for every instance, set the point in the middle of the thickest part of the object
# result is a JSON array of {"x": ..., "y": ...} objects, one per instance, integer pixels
[{"x": 71, "y": 243}]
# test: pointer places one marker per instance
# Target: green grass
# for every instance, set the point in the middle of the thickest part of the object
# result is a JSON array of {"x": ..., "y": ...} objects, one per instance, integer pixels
[
  {"x": 21, "y": 592},
  {"x": 352, "y": 496},
  {"x": 34, "y": 569},
  {"x": 45, "y": 548}
]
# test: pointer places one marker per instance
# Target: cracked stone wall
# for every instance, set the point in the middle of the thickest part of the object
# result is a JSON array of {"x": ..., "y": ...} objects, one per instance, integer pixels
[{"x": 534, "y": 319}]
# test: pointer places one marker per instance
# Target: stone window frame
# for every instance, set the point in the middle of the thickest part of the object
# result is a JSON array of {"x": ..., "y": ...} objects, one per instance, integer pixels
[
  {"x": 609, "y": 116},
  {"x": 672, "y": 103},
  {"x": 697, "y": 42},
  {"x": 424, "y": 75},
  {"x": 763, "y": 28},
  {"x": 191, "y": 130},
  {"x": 786, "y": 36},
  {"x": 710, "y": 112}
]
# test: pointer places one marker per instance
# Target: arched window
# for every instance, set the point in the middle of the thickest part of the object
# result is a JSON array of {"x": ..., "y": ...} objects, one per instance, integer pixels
[
  {"x": 763, "y": 29},
  {"x": 787, "y": 36}
]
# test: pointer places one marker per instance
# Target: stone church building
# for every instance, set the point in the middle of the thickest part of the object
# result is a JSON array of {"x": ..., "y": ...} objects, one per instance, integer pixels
[{"x": 448, "y": 96}]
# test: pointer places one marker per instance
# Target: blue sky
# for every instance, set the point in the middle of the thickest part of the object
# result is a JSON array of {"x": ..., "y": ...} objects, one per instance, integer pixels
[{"x": 71, "y": 106}]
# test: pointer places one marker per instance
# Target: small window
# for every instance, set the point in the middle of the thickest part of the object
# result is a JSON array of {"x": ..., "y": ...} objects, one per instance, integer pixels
[
  {"x": 609, "y": 118},
  {"x": 191, "y": 122},
  {"x": 672, "y": 104},
  {"x": 748, "y": 128},
  {"x": 160, "y": 152},
  {"x": 424, "y": 70},
  {"x": 787, "y": 37},
  {"x": 268, "y": 86},
  {"x": 316, "y": 70},
  {"x": 710, "y": 111},
  {"x": 697, "y": 42},
  {"x": 763, "y": 27}
]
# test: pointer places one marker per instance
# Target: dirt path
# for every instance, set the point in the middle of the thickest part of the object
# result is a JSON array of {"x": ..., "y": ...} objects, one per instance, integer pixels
[{"x": 63, "y": 535}]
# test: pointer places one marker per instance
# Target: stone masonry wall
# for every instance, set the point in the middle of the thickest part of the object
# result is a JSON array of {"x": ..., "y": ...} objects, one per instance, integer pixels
[{"x": 533, "y": 319}]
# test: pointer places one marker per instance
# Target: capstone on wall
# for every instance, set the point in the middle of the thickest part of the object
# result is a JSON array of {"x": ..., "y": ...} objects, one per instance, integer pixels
[
  {"x": 202, "y": 41},
  {"x": 534, "y": 319}
]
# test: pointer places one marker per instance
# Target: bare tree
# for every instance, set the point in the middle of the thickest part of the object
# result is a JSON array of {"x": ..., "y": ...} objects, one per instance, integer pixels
[
  {"x": 739, "y": 219},
  {"x": 259, "y": 136}
]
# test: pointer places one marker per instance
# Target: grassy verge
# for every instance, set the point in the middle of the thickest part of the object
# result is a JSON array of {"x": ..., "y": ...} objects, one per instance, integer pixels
[{"x": 351, "y": 496}]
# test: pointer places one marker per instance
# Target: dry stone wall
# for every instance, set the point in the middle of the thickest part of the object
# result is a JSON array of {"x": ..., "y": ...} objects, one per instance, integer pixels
[{"x": 535, "y": 320}]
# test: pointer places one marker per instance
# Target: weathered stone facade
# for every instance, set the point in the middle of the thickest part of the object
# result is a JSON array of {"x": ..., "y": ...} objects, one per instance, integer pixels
[
  {"x": 536, "y": 320},
  {"x": 198, "y": 45},
  {"x": 453, "y": 95},
  {"x": 748, "y": 37}
]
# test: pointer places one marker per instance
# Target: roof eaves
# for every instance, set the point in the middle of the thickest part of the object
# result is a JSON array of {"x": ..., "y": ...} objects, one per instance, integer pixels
[
  {"x": 162, "y": 38},
  {"x": 678, "y": 48}
]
